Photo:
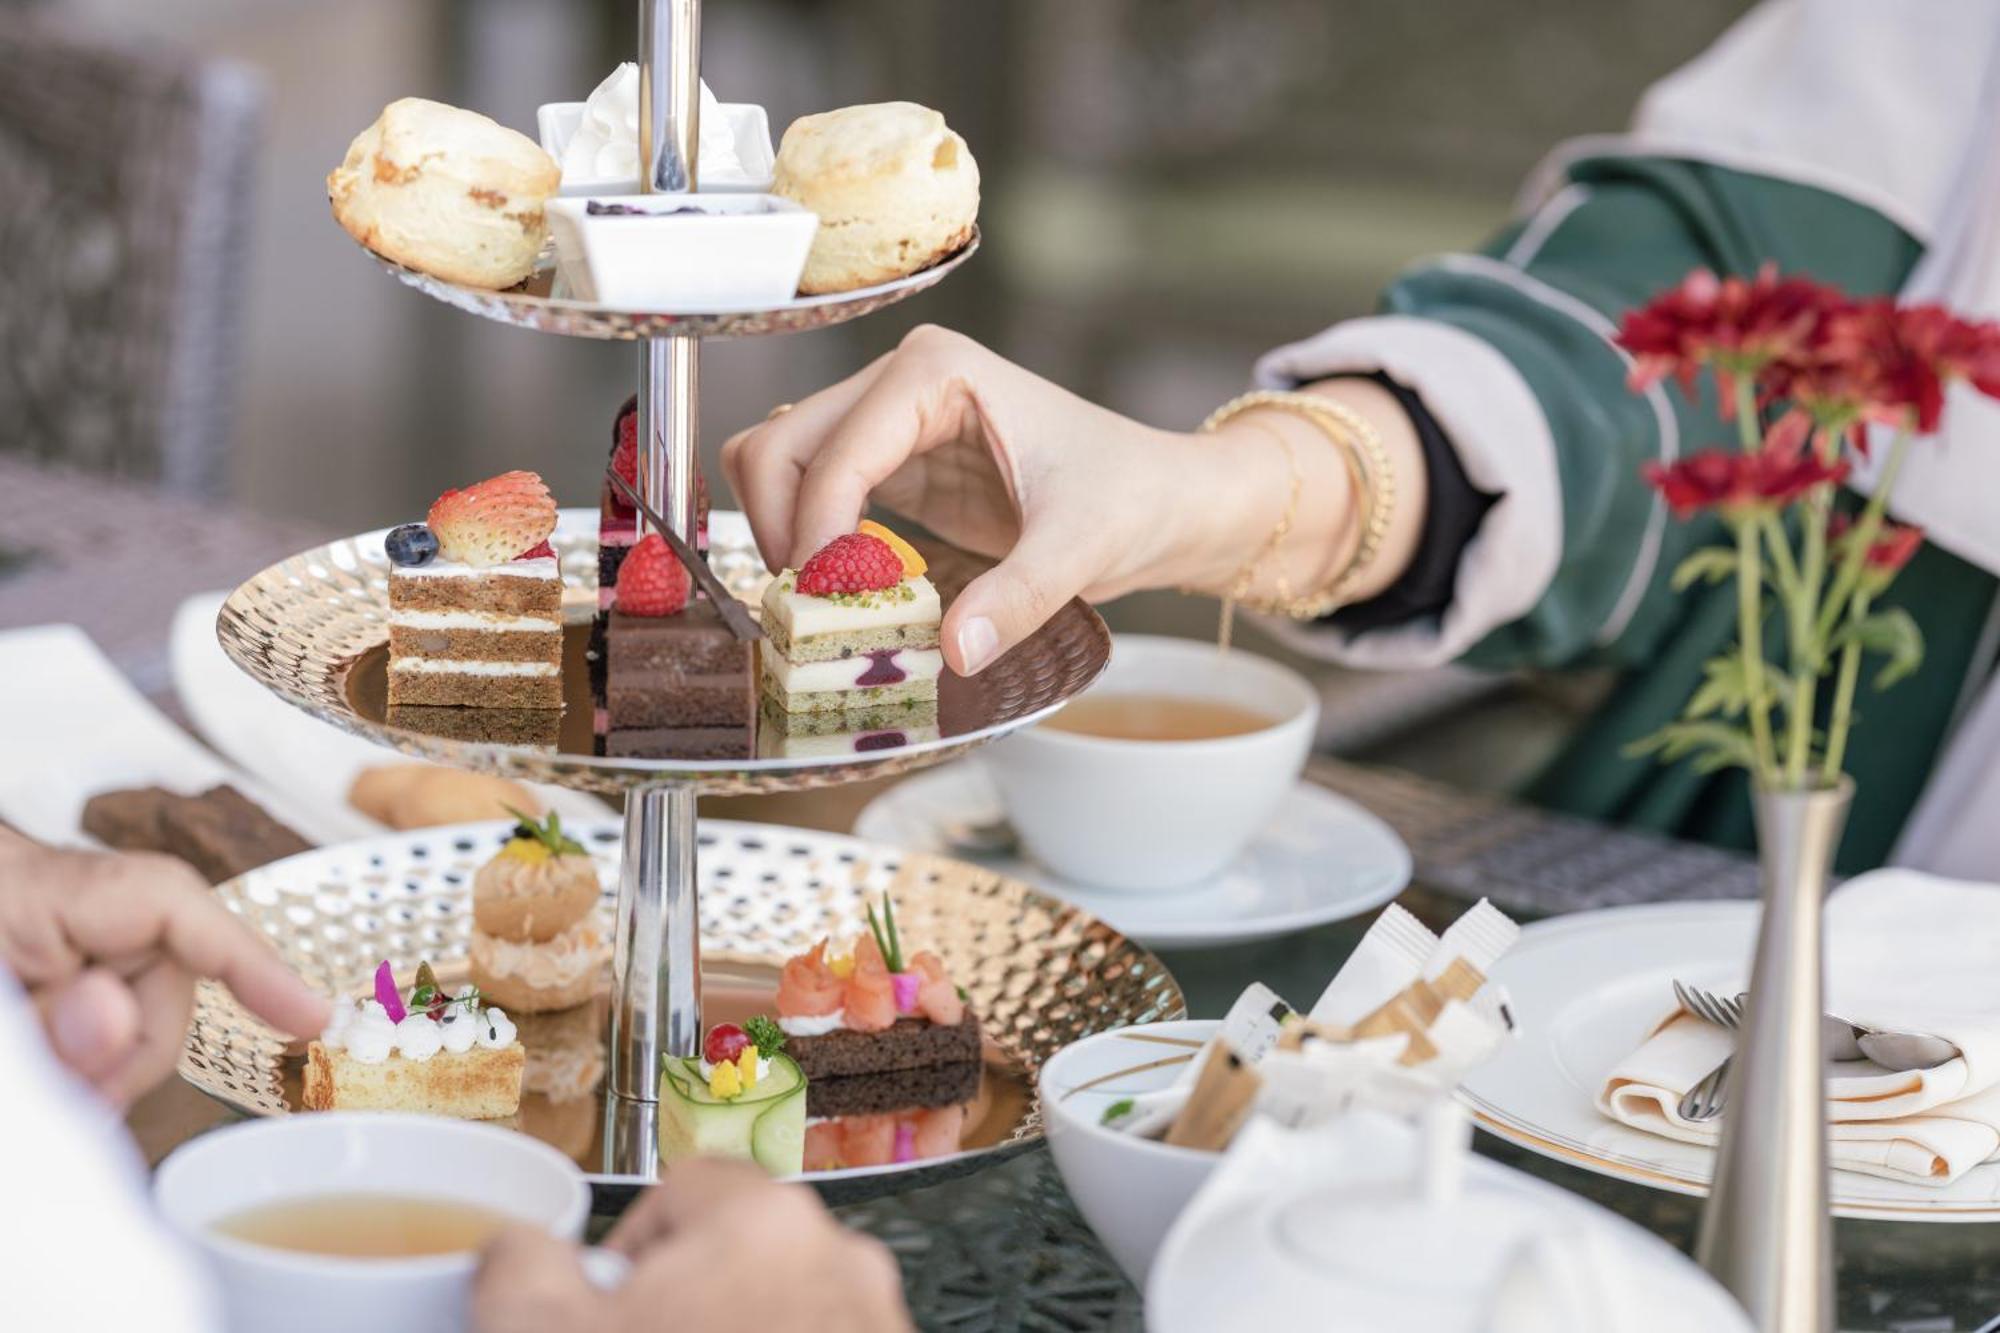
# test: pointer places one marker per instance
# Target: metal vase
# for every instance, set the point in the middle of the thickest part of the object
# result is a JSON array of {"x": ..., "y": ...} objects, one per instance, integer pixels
[{"x": 1767, "y": 1232}]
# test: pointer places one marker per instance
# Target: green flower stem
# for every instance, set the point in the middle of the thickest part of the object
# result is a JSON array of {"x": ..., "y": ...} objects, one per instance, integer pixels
[
  {"x": 1750, "y": 598},
  {"x": 1843, "y": 700},
  {"x": 1750, "y": 636},
  {"x": 1848, "y": 577},
  {"x": 1780, "y": 547},
  {"x": 1808, "y": 647}
]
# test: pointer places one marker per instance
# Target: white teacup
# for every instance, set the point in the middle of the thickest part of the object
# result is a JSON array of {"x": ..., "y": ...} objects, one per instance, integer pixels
[
  {"x": 261, "y": 1162},
  {"x": 1153, "y": 814}
]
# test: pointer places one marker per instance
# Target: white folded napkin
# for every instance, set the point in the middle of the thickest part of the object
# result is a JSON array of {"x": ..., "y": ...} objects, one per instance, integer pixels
[{"x": 1906, "y": 952}]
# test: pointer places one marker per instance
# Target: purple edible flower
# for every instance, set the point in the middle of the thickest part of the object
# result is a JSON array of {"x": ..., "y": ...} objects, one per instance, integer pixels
[
  {"x": 386, "y": 993},
  {"x": 905, "y": 985}
]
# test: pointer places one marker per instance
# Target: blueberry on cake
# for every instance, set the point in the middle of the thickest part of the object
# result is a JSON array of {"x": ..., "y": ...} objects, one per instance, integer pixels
[{"x": 854, "y": 627}]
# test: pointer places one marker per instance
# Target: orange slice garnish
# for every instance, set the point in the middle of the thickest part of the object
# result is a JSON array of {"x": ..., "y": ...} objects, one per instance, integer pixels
[{"x": 913, "y": 564}]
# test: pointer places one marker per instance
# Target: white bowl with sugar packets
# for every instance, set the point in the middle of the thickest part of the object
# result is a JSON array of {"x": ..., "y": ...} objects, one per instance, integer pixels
[
  {"x": 1128, "y": 1188},
  {"x": 682, "y": 252}
]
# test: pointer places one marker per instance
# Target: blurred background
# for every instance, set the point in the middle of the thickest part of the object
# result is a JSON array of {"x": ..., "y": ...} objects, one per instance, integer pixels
[{"x": 1171, "y": 186}]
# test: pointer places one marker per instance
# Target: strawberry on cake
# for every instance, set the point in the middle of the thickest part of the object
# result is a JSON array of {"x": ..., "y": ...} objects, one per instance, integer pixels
[
  {"x": 868, "y": 1010},
  {"x": 475, "y": 600},
  {"x": 855, "y": 626}
]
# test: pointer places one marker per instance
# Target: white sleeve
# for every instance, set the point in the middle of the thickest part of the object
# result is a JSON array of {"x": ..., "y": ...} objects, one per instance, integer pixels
[
  {"x": 1494, "y": 422},
  {"x": 80, "y": 1248}
]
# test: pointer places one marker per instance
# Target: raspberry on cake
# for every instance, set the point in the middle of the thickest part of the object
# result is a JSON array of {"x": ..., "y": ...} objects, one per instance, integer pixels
[
  {"x": 855, "y": 626},
  {"x": 475, "y": 600},
  {"x": 870, "y": 1011},
  {"x": 677, "y": 679},
  {"x": 535, "y": 942},
  {"x": 433, "y": 1051}
]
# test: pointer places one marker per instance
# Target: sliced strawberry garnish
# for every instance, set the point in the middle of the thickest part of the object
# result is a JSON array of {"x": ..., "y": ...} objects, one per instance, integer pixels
[{"x": 493, "y": 521}]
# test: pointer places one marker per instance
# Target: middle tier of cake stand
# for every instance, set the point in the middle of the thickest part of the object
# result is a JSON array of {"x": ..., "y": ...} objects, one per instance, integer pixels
[{"x": 314, "y": 630}]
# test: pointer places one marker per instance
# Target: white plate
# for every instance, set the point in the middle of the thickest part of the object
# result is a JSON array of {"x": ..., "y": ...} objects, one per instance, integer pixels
[
  {"x": 71, "y": 726},
  {"x": 1586, "y": 988},
  {"x": 312, "y": 762},
  {"x": 1321, "y": 859}
]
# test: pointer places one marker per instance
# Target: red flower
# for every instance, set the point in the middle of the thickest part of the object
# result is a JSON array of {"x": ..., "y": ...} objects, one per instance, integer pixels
[
  {"x": 1722, "y": 479},
  {"x": 1737, "y": 325},
  {"x": 1878, "y": 362},
  {"x": 1892, "y": 548}
]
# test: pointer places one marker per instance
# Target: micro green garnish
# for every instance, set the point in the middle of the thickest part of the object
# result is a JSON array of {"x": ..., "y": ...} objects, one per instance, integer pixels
[
  {"x": 765, "y": 1035},
  {"x": 964, "y": 996},
  {"x": 548, "y": 833},
  {"x": 426, "y": 980},
  {"x": 1116, "y": 1111},
  {"x": 884, "y": 931}
]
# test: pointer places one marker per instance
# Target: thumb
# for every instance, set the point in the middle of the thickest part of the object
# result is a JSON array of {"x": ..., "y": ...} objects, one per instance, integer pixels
[
  {"x": 529, "y": 1282},
  {"x": 1011, "y": 601},
  {"x": 93, "y": 1023}
]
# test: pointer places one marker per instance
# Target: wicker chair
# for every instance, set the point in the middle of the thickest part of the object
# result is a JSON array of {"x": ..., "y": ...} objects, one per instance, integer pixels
[{"x": 124, "y": 210}]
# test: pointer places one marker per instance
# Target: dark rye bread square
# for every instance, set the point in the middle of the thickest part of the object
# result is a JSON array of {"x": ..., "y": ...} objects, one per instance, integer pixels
[
  {"x": 912, "y": 1043},
  {"x": 898, "y": 1090},
  {"x": 221, "y": 833}
]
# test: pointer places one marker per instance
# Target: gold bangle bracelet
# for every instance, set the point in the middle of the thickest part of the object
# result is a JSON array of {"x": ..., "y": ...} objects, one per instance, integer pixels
[{"x": 1369, "y": 470}]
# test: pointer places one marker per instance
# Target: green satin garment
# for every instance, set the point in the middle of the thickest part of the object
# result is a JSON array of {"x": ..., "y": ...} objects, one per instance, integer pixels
[{"x": 1643, "y": 223}]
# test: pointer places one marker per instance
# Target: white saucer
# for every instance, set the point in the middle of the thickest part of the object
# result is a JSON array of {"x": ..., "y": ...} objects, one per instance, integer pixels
[{"x": 1321, "y": 859}]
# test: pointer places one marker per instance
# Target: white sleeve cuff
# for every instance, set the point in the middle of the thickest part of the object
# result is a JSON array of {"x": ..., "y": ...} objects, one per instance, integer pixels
[{"x": 1495, "y": 423}]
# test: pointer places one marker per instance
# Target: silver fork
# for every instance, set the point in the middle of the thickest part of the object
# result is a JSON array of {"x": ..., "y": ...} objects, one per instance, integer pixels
[{"x": 1705, "y": 1099}]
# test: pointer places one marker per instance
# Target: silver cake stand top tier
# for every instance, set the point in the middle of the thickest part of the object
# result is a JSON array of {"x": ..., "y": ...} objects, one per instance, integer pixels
[
  {"x": 543, "y": 303},
  {"x": 313, "y": 629}
]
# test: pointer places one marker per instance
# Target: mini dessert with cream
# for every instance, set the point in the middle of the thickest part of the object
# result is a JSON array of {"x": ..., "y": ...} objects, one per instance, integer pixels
[
  {"x": 743, "y": 1096},
  {"x": 854, "y": 627},
  {"x": 833, "y": 735},
  {"x": 432, "y": 1050},
  {"x": 869, "y": 1010},
  {"x": 536, "y": 945},
  {"x": 475, "y": 600}
]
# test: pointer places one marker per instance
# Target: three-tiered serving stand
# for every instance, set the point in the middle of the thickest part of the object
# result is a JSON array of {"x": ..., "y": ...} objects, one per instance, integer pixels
[{"x": 305, "y": 629}]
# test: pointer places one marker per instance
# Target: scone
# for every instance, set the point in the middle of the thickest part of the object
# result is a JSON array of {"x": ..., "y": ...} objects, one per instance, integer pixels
[
  {"x": 895, "y": 190},
  {"x": 446, "y": 191},
  {"x": 411, "y": 796}
]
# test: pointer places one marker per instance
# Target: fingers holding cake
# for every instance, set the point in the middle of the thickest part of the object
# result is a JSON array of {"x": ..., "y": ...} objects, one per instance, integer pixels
[{"x": 536, "y": 945}]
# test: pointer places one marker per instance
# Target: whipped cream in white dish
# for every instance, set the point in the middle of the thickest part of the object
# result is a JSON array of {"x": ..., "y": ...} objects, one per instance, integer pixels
[
  {"x": 606, "y": 144},
  {"x": 364, "y": 1030},
  {"x": 814, "y": 1025}
]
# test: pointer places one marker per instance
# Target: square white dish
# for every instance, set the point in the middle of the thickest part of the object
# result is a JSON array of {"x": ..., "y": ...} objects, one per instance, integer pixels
[
  {"x": 749, "y": 127},
  {"x": 739, "y": 251}
]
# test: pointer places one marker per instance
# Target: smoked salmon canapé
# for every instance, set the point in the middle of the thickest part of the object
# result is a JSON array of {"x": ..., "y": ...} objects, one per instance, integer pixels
[{"x": 867, "y": 1008}]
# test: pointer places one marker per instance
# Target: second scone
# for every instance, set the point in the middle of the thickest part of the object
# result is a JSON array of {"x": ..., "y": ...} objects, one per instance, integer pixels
[{"x": 895, "y": 190}]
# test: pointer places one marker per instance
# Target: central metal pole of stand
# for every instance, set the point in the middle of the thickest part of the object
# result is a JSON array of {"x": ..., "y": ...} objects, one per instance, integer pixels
[{"x": 656, "y": 958}]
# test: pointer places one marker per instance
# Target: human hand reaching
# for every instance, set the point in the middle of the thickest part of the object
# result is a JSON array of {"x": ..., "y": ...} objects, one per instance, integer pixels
[
  {"x": 711, "y": 1242},
  {"x": 109, "y": 947},
  {"x": 1070, "y": 497}
]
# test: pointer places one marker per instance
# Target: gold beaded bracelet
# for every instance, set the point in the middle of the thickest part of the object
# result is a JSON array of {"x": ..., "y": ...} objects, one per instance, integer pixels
[{"x": 1374, "y": 481}]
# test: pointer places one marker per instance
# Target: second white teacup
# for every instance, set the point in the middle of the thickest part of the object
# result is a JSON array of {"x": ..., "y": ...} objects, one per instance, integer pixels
[
  {"x": 1159, "y": 813},
  {"x": 222, "y": 1175}
]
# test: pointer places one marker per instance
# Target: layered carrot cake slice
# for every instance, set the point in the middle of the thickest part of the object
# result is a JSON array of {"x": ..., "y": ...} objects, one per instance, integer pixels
[
  {"x": 854, "y": 627},
  {"x": 475, "y": 600}
]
